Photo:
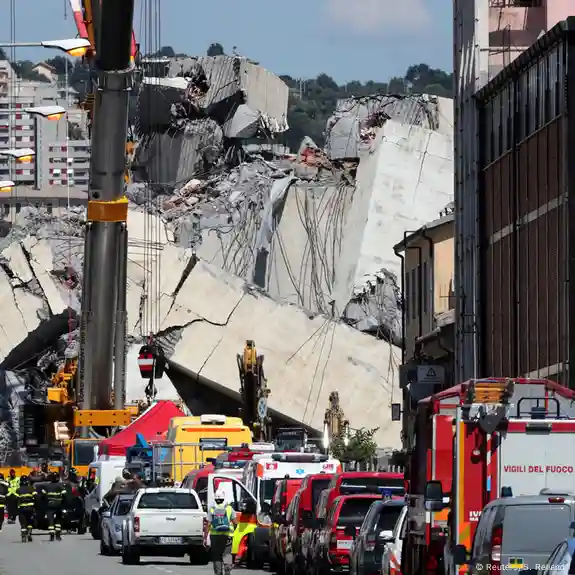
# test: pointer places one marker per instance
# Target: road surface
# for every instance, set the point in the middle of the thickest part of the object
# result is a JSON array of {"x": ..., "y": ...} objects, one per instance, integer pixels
[{"x": 79, "y": 555}]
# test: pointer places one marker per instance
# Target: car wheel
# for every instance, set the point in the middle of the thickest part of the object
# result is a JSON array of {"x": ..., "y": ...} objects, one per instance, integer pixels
[
  {"x": 199, "y": 556},
  {"x": 130, "y": 556},
  {"x": 95, "y": 526},
  {"x": 104, "y": 549}
]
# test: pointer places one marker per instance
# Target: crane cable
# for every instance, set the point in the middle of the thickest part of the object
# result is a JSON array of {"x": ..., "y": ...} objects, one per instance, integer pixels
[{"x": 150, "y": 309}]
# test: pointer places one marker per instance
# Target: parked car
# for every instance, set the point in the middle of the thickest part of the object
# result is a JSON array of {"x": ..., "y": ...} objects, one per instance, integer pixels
[
  {"x": 375, "y": 533},
  {"x": 111, "y": 524},
  {"x": 560, "y": 562},
  {"x": 337, "y": 532},
  {"x": 391, "y": 558},
  {"x": 284, "y": 494},
  {"x": 164, "y": 522},
  {"x": 519, "y": 532},
  {"x": 311, "y": 490}
]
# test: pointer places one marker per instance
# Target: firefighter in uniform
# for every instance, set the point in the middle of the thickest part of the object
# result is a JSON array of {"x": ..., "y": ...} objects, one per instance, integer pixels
[
  {"x": 12, "y": 498},
  {"x": 3, "y": 495},
  {"x": 26, "y": 497},
  {"x": 54, "y": 493}
]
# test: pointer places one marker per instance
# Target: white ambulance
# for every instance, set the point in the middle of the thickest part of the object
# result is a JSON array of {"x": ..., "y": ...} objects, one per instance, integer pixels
[{"x": 252, "y": 496}]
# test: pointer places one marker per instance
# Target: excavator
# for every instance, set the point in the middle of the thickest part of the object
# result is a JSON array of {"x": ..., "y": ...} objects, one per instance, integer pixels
[{"x": 254, "y": 392}]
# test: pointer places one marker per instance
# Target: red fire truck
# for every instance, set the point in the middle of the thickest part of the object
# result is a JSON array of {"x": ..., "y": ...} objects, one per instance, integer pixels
[{"x": 475, "y": 442}]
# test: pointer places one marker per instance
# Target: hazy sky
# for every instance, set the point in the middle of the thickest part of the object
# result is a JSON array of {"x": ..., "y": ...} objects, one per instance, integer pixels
[{"x": 373, "y": 40}]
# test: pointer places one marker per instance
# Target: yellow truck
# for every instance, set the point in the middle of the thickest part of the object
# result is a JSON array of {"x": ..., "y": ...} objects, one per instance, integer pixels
[{"x": 193, "y": 440}]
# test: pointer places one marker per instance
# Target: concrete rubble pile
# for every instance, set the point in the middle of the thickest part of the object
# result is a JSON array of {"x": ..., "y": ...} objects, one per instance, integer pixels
[
  {"x": 202, "y": 112},
  {"x": 295, "y": 250}
]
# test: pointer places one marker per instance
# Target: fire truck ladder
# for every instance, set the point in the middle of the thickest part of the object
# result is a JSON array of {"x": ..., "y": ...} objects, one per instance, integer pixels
[
  {"x": 254, "y": 392},
  {"x": 486, "y": 402}
]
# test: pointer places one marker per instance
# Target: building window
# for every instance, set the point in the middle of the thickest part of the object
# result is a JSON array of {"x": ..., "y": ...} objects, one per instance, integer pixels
[
  {"x": 414, "y": 293},
  {"x": 424, "y": 286},
  {"x": 49, "y": 208},
  {"x": 6, "y": 209},
  {"x": 18, "y": 208},
  {"x": 407, "y": 296}
]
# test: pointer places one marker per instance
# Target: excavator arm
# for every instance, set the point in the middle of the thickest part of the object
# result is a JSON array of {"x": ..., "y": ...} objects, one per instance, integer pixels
[{"x": 254, "y": 391}]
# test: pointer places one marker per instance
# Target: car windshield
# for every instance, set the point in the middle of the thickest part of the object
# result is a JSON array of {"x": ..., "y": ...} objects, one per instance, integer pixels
[
  {"x": 167, "y": 500},
  {"x": 318, "y": 485},
  {"x": 84, "y": 452},
  {"x": 388, "y": 516},
  {"x": 267, "y": 490},
  {"x": 124, "y": 506},
  {"x": 353, "y": 511}
]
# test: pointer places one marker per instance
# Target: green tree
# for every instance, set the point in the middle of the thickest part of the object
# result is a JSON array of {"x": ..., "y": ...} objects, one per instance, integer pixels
[
  {"x": 25, "y": 70},
  {"x": 361, "y": 446},
  {"x": 60, "y": 64},
  {"x": 216, "y": 49}
]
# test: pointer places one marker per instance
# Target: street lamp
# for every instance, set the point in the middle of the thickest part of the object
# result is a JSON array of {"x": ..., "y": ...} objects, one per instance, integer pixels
[
  {"x": 75, "y": 47},
  {"x": 21, "y": 155},
  {"x": 6, "y": 185},
  {"x": 47, "y": 112},
  {"x": 25, "y": 155}
]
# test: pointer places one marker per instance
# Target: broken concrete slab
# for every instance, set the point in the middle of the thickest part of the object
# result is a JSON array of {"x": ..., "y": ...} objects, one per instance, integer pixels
[
  {"x": 18, "y": 263},
  {"x": 306, "y": 357}
]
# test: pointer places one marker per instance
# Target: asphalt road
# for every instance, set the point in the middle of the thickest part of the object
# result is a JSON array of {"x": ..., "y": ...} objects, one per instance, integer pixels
[{"x": 80, "y": 555}]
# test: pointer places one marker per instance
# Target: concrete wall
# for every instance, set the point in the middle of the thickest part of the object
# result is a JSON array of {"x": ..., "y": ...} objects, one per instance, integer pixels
[
  {"x": 405, "y": 181},
  {"x": 306, "y": 356}
]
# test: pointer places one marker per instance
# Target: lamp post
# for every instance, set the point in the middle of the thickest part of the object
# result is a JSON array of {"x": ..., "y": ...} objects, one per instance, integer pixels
[
  {"x": 75, "y": 47},
  {"x": 6, "y": 185},
  {"x": 24, "y": 155}
]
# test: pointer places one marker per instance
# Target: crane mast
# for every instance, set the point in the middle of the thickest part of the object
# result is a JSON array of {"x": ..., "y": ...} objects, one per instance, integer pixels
[{"x": 102, "y": 351}]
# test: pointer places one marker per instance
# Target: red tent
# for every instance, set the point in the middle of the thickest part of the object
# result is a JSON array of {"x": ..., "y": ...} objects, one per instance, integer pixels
[{"x": 152, "y": 424}]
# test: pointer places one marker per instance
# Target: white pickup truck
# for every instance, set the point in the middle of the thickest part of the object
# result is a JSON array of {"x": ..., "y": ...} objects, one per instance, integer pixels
[{"x": 164, "y": 522}]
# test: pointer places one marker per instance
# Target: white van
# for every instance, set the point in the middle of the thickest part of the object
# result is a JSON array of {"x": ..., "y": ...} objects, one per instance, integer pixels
[{"x": 103, "y": 474}]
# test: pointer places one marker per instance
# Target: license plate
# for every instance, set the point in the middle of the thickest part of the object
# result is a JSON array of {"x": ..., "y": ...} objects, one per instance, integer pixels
[
  {"x": 344, "y": 544},
  {"x": 170, "y": 540}
]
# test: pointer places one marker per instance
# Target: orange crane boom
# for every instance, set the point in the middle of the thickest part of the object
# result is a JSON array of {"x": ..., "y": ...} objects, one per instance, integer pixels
[{"x": 84, "y": 16}]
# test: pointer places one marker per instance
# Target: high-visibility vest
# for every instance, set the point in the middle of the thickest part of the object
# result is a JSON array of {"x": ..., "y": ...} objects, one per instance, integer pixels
[
  {"x": 228, "y": 509},
  {"x": 13, "y": 485}
]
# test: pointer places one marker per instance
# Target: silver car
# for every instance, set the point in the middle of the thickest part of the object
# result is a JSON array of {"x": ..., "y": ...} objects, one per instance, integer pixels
[{"x": 111, "y": 525}]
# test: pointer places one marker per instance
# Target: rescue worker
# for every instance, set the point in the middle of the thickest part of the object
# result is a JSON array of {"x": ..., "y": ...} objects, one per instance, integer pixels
[
  {"x": 118, "y": 486},
  {"x": 222, "y": 521},
  {"x": 12, "y": 498},
  {"x": 44, "y": 472},
  {"x": 3, "y": 494},
  {"x": 133, "y": 482},
  {"x": 54, "y": 494},
  {"x": 26, "y": 497}
]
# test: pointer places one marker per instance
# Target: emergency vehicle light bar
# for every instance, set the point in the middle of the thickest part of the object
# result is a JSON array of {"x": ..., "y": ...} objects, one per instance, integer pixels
[
  {"x": 299, "y": 457},
  {"x": 212, "y": 419},
  {"x": 479, "y": 391}
]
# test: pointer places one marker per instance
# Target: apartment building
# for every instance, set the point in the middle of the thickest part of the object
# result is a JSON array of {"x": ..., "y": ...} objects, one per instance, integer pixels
[
  {"x": 62, "y": 147},
  {"x": 428, "y": 260},
  {"x": 55, "y": 200},
  {"x": 427, "y": 264}
]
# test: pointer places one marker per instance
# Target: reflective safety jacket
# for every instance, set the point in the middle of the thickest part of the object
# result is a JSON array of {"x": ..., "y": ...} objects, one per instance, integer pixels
[
  {"x": 230, "y": 516},
  {"x": 4, "y": 488},
  {"x": 13, "y": 485},
  {"x": 54, "y": 494},
  {"x": 26, "y": 496}
]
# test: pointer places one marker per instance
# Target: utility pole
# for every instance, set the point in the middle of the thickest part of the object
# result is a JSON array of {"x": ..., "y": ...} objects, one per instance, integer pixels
[{"x": 106, "y": 237}]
